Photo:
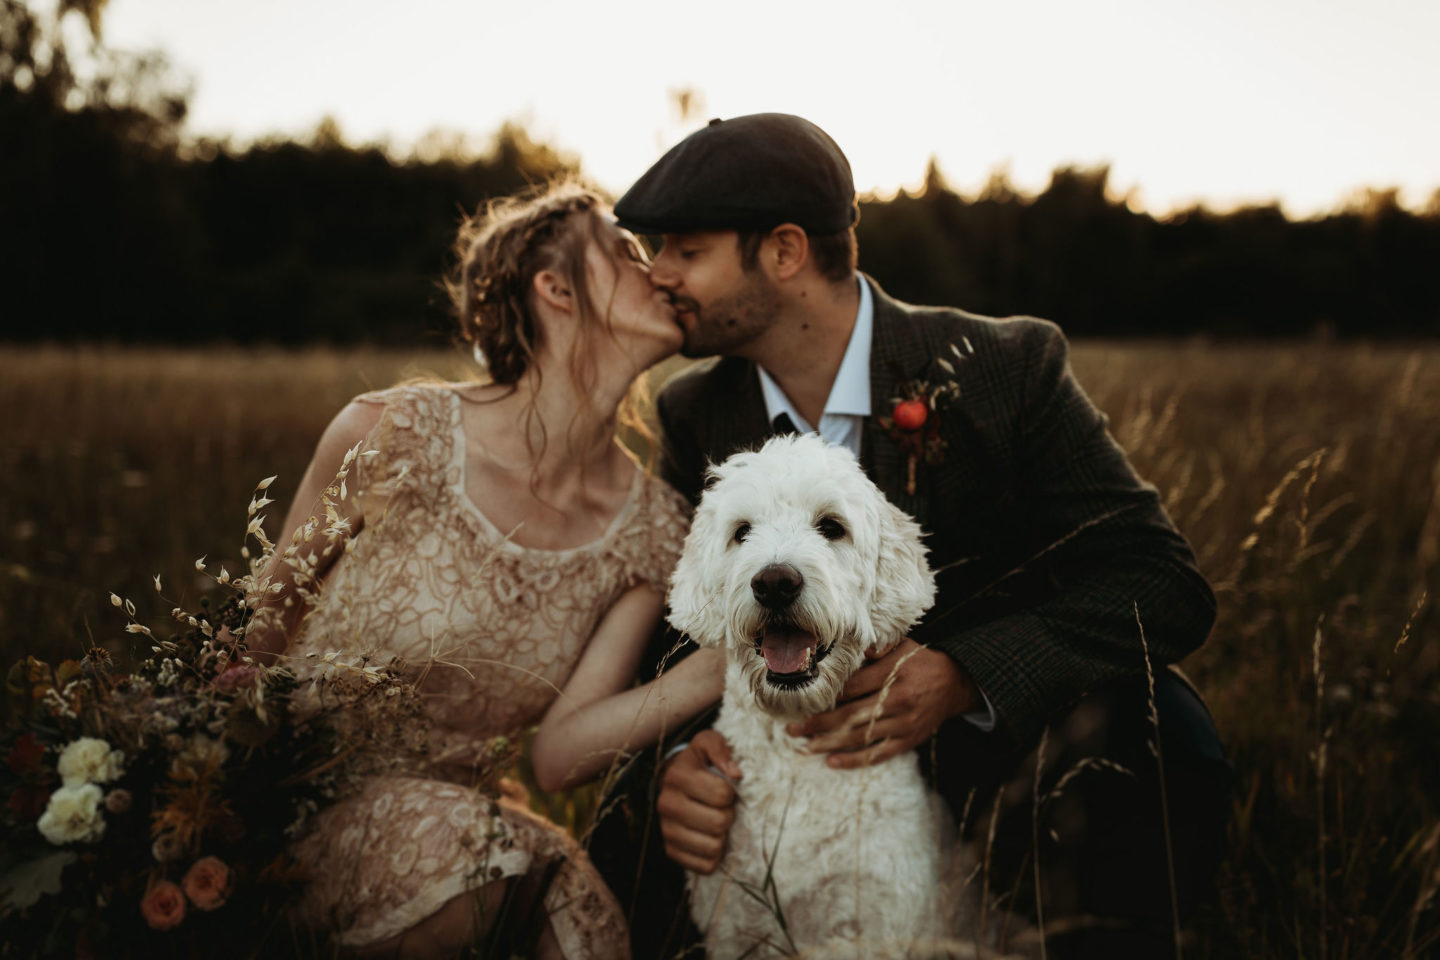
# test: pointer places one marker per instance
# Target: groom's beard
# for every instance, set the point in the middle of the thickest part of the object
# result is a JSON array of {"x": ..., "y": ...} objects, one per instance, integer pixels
[{"x": 731, "y": 320}]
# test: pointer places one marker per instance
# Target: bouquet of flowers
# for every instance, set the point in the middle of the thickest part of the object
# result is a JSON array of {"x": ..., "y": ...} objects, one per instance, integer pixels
[{"x": 152, "y": 811}]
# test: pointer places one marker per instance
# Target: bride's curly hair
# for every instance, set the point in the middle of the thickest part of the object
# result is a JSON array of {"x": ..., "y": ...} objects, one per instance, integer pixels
[{"x": 497, "y": 254}]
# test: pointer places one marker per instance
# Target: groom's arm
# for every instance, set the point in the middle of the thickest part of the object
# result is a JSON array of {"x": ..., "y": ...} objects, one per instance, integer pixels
[
  {"x": 696, "y": 802},
  {"x": 1100, "y": 548},
  {"x": 683, "y": 459},
  {"x": 892, "y": 705},
  {"x": 1104, "y": 560}
]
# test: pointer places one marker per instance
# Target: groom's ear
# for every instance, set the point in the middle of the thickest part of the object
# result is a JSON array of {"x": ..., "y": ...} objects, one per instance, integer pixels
[{"x": 789, "y": 250}]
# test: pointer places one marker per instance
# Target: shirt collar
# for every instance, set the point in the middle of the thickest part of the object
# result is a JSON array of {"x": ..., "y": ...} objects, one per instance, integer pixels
[{"x": 850, "y": 393}]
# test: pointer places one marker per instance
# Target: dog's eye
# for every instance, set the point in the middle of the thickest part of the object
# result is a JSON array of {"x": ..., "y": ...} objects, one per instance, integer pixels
[
  {"x": 741, "y": 532},
  {"x": 830, "y": 528}
]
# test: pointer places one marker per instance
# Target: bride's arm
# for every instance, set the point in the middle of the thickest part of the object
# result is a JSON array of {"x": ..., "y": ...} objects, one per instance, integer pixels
[
  {"x": 280, "y": 611},
  {"x": 599, "y": 714}
]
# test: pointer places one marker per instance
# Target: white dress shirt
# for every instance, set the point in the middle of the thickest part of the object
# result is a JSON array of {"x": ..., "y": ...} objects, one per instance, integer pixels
[
  {"x": 849, "y": 402},
  {"x": 843, "y": 418}
]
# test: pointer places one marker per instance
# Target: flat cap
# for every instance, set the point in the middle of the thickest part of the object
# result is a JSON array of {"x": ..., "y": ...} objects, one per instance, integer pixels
[{"x": 747, "y": 173}]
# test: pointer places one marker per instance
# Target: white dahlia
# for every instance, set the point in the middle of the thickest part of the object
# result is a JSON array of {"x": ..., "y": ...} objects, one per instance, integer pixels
[
  {"x": 73, "y": 815},
  {"x": 89, "y": 760}
]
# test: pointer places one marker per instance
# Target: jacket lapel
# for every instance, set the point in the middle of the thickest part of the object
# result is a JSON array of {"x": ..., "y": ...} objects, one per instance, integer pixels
[
  {"x": 896, "y": 353},
  {"x": 750, "y": 427}
]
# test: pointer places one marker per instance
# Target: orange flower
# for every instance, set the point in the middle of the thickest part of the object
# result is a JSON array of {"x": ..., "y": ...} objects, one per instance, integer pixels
[
  {"x": 910, "y": 414},
  {"x": 163, "y": 906},
  {"x": 207, "y": 884}
]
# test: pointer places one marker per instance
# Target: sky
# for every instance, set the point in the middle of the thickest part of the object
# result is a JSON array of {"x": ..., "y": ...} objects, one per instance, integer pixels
[{"x": 1303, "y": 102}]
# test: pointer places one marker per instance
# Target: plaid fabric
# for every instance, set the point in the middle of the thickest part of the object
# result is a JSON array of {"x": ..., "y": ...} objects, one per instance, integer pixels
[{"x": 1045, "y": 541}]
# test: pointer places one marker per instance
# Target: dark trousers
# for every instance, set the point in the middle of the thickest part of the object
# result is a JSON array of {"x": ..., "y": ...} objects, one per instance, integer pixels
[
  {"x": 1105, "y": 869},
  {"x": 1110, "y": 886}
]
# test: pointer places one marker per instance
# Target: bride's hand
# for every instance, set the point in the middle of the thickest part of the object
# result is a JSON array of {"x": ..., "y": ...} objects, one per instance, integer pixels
[{"x": 263, "y": 649}]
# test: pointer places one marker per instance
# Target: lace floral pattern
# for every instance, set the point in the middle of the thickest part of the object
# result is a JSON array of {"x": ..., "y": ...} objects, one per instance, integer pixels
[{"x": 489, "y": 630}]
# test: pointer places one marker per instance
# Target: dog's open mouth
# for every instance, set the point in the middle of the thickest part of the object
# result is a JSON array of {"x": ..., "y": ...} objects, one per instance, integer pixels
[{"x": 792, "y": 654}]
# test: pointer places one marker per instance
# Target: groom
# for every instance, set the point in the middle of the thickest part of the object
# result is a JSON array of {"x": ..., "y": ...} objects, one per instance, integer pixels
[{"x": 1058, "y": 569}]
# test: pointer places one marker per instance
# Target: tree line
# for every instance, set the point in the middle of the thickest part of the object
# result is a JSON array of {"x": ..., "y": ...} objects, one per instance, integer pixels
[{"x": 117, "y": 228}]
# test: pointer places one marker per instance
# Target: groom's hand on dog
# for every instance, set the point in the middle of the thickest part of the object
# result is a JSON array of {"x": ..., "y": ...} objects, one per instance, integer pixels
[
  {"x": 927, "y": 689},
  {"x": 697, "y": 803}
]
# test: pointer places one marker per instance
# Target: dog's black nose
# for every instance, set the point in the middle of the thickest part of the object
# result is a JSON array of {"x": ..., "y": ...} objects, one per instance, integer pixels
[{"x": 776, "y": 586}]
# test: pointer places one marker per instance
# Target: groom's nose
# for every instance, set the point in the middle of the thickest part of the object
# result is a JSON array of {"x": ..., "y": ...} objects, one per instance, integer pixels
[{"x": 662, "y": 273}]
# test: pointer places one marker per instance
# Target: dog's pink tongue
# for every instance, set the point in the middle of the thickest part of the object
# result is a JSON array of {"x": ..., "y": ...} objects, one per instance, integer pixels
[{"x": 786, "y": 651}]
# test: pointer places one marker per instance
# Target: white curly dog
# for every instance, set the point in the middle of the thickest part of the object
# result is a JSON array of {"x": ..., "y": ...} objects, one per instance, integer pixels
[{"x": 797, "y": 564}]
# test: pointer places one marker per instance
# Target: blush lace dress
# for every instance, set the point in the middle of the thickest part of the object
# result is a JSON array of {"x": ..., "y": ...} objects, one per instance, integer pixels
[{"x": 490, "y": 630}]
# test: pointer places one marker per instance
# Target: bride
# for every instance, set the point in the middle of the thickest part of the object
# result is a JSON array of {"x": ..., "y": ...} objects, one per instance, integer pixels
[{"x": 503, "y": 543}]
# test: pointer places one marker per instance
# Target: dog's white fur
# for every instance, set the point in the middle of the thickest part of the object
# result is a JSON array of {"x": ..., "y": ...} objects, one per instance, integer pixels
[{"x": 856, "y": 856}]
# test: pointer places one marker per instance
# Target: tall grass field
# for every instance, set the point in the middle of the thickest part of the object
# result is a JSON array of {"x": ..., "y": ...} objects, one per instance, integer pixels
[{"x": 1306, "y": 476}]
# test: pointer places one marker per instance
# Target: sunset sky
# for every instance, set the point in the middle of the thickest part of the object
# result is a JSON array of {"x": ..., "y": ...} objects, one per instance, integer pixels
[{"x": 1225, "y": 101}]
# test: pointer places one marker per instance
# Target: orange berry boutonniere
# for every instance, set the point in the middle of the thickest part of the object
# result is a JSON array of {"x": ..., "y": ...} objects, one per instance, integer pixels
[{"x": 914, "y": 420}]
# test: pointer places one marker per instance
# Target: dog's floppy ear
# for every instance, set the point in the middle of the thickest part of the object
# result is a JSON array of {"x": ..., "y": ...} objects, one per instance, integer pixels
[
  {"x": 694, "y": 599},
  {"x": 904, "y": 582}
]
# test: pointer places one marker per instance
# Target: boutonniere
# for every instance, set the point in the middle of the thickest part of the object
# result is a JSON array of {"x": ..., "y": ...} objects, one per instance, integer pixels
[{"x": 914, "y": 420}]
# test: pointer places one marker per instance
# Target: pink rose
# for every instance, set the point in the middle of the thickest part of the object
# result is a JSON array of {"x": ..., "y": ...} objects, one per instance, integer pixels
[
  {"x": 236, "y": 676},
  {"x": 207, "y": 884},
  {"x": 163, "y": 906}
]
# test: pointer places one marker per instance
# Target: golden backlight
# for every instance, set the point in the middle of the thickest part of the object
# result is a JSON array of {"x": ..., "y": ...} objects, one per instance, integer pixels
[{"x": 1215, "y": 100}]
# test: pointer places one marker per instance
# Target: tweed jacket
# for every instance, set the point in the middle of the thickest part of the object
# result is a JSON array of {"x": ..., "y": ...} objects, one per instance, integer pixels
[{"x": 1051, "y": 554}]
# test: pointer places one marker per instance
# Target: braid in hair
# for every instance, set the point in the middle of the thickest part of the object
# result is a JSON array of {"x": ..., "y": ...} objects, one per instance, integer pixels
[{"x": 499, "y": 252}]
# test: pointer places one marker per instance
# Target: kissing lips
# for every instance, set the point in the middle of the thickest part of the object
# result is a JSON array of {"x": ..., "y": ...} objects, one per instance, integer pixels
[
  {"x": 685, "y": 307},
  {"x": 790, "y": 653}
]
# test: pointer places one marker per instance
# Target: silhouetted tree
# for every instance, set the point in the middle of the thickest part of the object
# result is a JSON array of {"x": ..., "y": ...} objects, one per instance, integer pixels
[{"x": 116, "y": 227}]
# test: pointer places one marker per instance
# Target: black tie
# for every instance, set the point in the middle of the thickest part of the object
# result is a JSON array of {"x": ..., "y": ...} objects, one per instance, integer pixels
[{"x": 783, "y": 424}]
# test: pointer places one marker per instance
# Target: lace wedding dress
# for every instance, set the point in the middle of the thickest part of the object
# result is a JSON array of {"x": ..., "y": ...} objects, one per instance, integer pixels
[{"x": 490, "y": 630}]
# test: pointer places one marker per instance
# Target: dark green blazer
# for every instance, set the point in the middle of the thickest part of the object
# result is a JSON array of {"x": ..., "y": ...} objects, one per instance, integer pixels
[{"x": 1045, "y": 541}]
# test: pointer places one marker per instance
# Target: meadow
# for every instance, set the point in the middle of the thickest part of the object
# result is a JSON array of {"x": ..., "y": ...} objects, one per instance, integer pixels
[{"x": 1306, "y": 475}]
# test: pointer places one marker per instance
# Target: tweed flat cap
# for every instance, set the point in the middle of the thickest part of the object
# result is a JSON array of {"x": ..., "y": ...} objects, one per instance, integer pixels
[{"x": 747, "y": 173}]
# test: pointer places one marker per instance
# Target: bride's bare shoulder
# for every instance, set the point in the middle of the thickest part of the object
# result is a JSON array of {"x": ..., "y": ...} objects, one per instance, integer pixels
[
  {"x": 422, "y": 404},
  {"x": 358, "y": 419},
  {"x": 349, "y": 428}
]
